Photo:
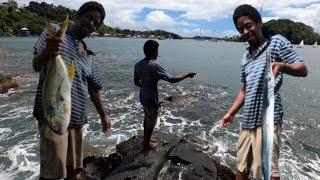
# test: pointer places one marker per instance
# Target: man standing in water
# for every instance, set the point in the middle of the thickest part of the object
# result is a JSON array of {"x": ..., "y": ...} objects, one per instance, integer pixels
[
  {"x": 284, "y": 60},
  {"x": 61, "y": 155},
  {"x": 147, "y": 73}
]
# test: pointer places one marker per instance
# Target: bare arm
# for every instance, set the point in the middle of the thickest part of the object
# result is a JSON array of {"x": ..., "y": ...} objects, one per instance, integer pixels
[
  {"x": 228, "y": 117},
  {"x": 180, "y": 78},
  {"x": 97, "y": 101},
  {"x": 296, "y": 69}
]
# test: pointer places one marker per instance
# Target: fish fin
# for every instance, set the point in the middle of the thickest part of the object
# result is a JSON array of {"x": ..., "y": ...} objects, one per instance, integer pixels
[
  {"x": 48, "y": 27},
  {"x": 63, "y": 27},
  {"x": 72, "y": 70}
]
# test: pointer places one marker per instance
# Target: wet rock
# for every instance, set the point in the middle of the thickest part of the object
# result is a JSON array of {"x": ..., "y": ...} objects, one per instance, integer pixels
[
  {"x": 175, "y": 158},
  {"x": 7, "y": 82},
  {"x": 4, "y": 53}
]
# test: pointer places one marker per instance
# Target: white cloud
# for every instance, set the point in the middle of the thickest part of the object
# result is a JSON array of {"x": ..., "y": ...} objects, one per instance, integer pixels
[
  {"x": 309, "y": 15},
  {"x": 228, "y": 33},
  {"x": 266, "y": 19},
  {"x": 124, "y": 13},
  {"x": 158, "y": 19}
]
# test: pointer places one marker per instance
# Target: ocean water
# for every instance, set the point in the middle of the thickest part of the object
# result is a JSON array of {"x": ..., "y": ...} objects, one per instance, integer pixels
[{"x": 205, "y": 100}]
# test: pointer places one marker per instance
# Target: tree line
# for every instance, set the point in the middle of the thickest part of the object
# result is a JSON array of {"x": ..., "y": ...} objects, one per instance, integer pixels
[
  {"x": 33, "y": 16},
  {"x": 293, "y": 31}
]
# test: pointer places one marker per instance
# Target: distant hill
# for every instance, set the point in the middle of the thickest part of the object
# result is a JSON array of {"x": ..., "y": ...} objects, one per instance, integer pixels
[
  {"x": 32, "y": 17},
  {"x": 293, "y": 31}
]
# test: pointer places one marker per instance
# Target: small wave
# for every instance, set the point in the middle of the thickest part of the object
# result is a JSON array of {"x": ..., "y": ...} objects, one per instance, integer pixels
[{"x": 5, "y": 132}]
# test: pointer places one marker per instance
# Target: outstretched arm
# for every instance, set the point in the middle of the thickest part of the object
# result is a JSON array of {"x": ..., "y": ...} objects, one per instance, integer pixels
[
  {"x": 228, "y": 117},
  {"x": 96, "y": 99},
  {"x": 180, "y": 78}
]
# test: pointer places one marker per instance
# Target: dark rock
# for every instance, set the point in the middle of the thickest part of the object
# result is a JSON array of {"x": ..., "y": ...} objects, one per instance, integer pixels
[
  {"x": 7, "y": 82},
  {"x": 4, "y": 53},
  {"x": 175, "y": 158}
]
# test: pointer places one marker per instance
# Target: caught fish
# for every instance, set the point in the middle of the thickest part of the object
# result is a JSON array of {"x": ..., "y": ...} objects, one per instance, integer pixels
[
  {"x": 56, "y": 92},
  {"x": 268, "y": 119}
]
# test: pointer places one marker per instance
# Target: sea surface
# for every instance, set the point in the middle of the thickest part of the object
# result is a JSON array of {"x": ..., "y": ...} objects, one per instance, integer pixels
[{"x": 205, "y": 100}]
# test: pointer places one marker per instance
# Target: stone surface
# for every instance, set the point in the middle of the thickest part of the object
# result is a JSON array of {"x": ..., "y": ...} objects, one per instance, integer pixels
[
  {"x": 175, "y": 158},
  {"x": 7, "y": 82}
]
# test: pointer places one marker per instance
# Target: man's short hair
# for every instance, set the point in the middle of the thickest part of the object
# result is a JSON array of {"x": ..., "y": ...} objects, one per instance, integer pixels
[
  {"x": 150, "y": 47},
  {"x": 246, "y": 10},
  {"x": 92, "y": 5}
]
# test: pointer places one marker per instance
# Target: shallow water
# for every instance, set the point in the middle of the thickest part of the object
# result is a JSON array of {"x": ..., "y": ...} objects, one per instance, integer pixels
[{"x": 207, "y": 98}]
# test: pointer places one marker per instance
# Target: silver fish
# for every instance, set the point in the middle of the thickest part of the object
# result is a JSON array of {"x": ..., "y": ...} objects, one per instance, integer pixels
[
  {"x": 56, "y": 92},
  {"x": 268, "y": 119}
]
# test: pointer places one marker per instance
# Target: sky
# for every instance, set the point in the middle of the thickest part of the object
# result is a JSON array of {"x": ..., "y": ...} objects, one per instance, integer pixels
[{"x": 194, "y": 17}]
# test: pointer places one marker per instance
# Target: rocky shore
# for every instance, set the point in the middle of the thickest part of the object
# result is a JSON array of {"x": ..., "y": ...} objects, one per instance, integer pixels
[
  {"x": 4, "y": 53},
  {"x": 175, "y": 158},
  {"x": 7, "y": 82}
]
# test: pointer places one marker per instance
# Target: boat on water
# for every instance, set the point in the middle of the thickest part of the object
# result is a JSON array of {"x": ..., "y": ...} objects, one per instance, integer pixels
[
  {"x": 315, "y": 44},
  {"x": 301, "y": 44}
]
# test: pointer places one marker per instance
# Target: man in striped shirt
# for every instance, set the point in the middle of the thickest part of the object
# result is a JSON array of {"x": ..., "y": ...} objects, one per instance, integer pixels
[
  {"x": 147, "y": 73},
  {"x": 61, "y": 155},
  {"x": 253, "y": 66}
]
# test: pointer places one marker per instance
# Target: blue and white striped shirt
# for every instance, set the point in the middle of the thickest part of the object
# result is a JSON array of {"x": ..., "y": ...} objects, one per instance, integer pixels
[
  {"x": 252, "y": 75},
  {"x": 86, "y": 76},
  {"x": 149, "y": 73}
]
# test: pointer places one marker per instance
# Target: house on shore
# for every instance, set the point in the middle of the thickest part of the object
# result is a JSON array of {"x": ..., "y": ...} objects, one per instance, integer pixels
[{"x": 24, "y": 32}]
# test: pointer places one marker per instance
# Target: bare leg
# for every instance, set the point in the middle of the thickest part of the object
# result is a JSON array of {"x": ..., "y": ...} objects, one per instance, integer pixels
[{"x": 149, "y": 123}]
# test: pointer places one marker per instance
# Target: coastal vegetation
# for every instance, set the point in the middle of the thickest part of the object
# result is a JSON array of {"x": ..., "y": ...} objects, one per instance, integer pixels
[
  {"x": 32, "y": 17},
  {"x": 12, "y": 19},
  {"x": 293, "y": 31}
]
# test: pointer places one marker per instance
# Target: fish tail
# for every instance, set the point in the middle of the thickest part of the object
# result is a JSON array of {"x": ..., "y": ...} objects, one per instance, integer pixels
[
  {"x": 48, "y": 27},
  {"x": 72, "y": 70},
  {"x": 63, "y": 27}
]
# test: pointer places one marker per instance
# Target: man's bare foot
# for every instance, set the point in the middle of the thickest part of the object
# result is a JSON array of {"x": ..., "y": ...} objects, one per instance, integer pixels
[{"x": 153, "y": 145}]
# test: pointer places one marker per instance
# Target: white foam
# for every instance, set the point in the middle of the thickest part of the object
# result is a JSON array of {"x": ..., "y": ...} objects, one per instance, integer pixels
[
  {"x": 117, "y": 138},
  {"x": 19, "y": 156},
  {"x": 5, "y": 132}
]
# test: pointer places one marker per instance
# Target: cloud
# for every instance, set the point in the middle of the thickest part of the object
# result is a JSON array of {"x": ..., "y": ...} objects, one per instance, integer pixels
[
  {"x": 229, "y": 33},
  {"x": 309, "y": 15},
  {"x": 266, "y": 19},
  {"x": 158, "y": 19},
  {"x": 124, "y": 13}
]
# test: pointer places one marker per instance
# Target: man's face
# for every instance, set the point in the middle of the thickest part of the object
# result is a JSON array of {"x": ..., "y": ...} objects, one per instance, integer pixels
[
  {"x": 88, "y": 23},
  {"x": 250, "y": 30}
]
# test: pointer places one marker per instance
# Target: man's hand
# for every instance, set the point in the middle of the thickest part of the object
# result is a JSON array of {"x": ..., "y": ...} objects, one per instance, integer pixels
[
  {"x": 191, "y": 74},
  {"x": 52, "y": 46},
  {"x": 51, "y": 50},
  {"x": 226, "y": 120},
  {"x": 106, "y": 124},
  {"x": 277, "y": 68}
]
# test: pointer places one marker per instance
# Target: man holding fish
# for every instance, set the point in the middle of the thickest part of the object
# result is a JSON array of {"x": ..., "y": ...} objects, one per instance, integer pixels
[
  {"x": 279, "y": 53},
  {"x": 61, "y": 150}
]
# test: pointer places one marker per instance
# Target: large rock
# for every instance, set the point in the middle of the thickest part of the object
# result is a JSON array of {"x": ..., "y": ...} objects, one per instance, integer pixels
[
  {"x": 7, "y": 82},
  {"x": 4, "y": 52},
  {"x": 175, "y": 158}
]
